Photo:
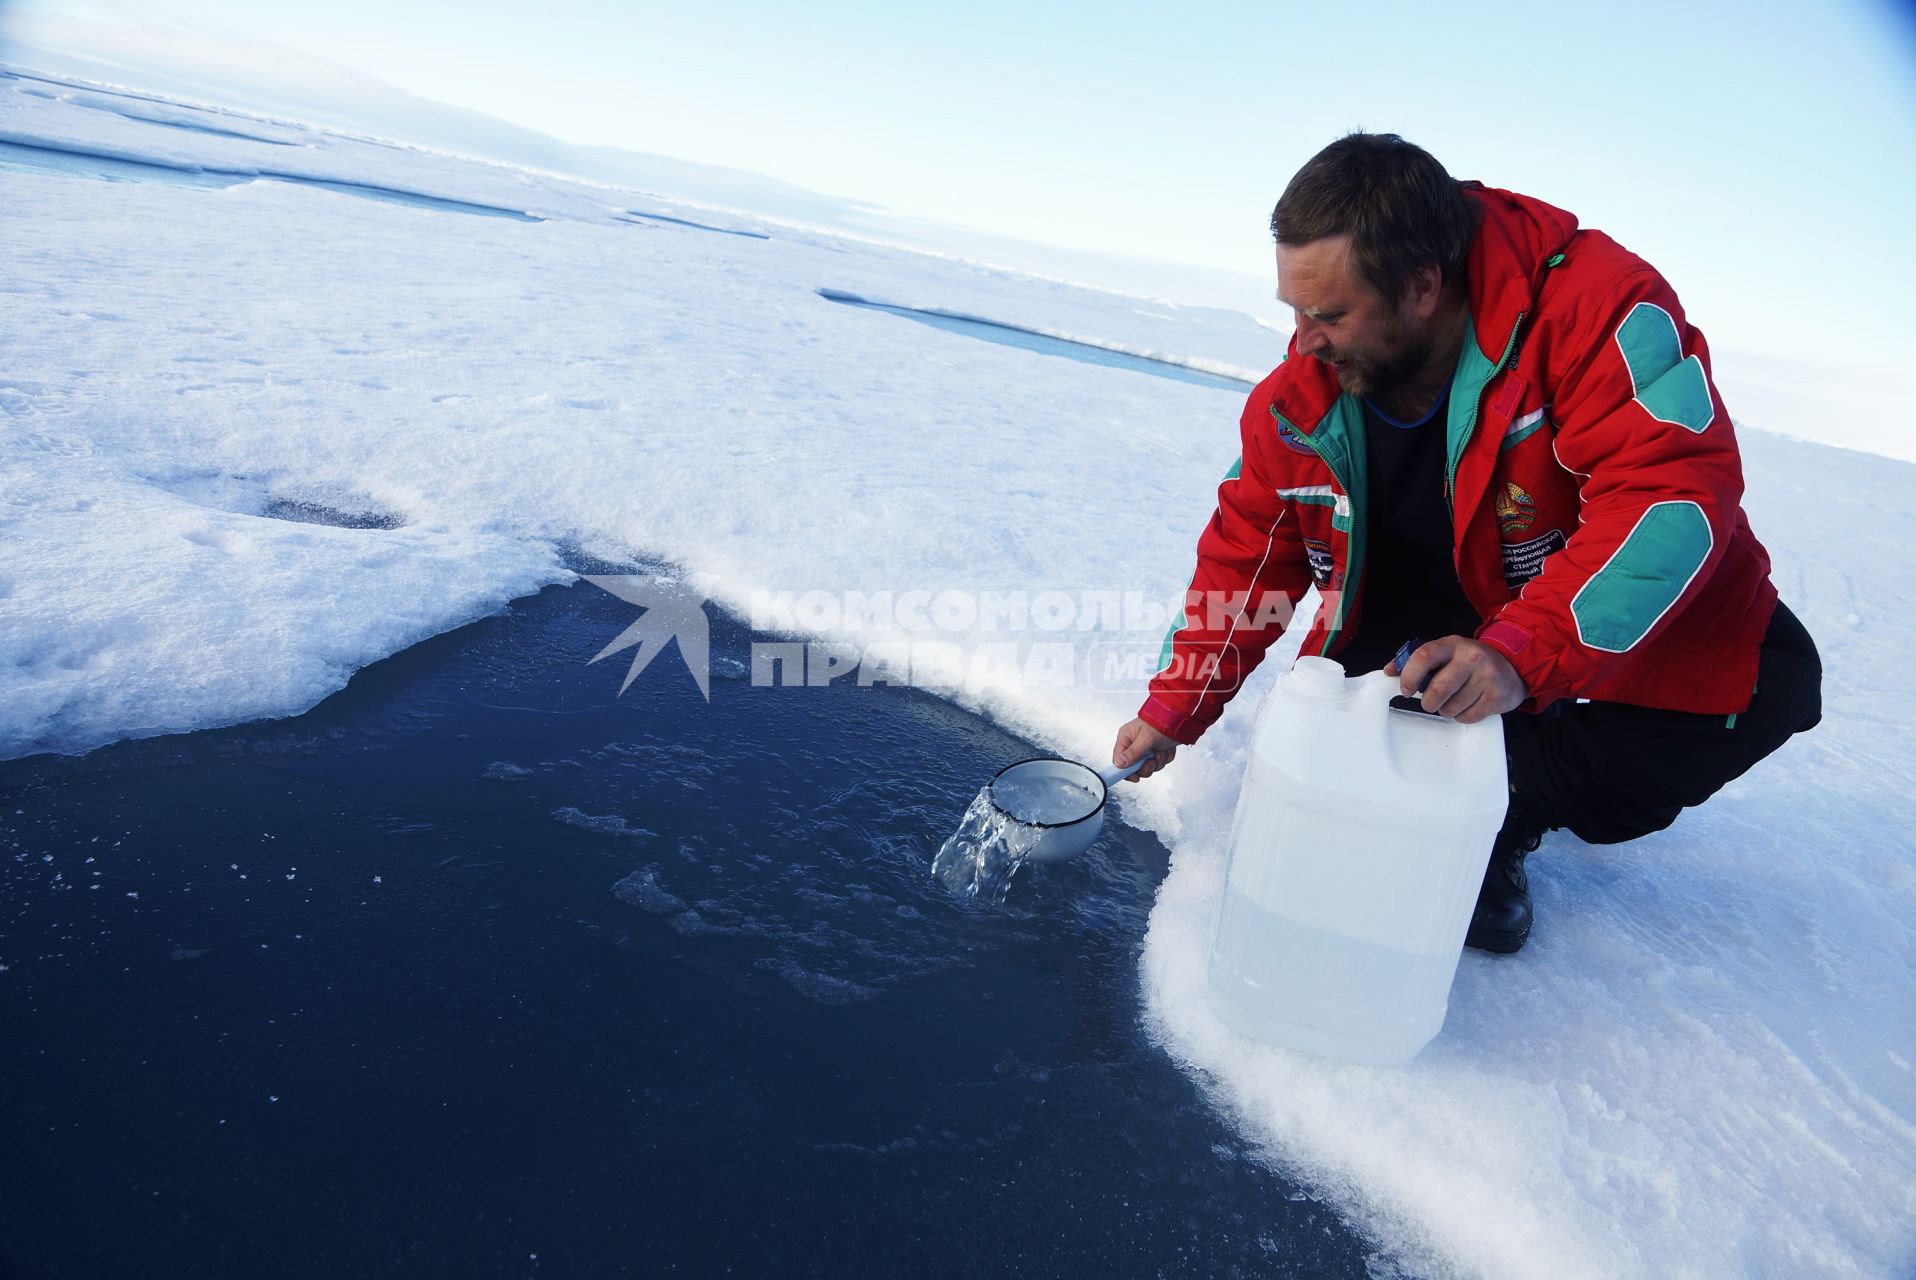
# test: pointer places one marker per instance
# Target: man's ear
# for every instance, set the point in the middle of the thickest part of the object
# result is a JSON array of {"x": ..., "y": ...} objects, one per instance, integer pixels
[{"x": 1425, "y": 291}]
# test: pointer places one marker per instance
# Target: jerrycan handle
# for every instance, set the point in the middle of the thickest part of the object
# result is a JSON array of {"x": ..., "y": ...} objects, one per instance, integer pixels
[
  {"x": 1378, "y": 688},
  {"x": 1377, "y": 691},
  {"x": 1414, "y": 706}
]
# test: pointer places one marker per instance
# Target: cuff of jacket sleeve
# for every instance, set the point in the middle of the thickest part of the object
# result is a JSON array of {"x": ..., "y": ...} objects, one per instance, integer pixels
[
  {"x": 1516, "y": 643},
  {"x": 1168, "y": 720}
]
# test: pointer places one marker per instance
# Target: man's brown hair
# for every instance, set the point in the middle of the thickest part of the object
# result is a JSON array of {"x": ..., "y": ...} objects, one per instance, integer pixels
[{"x": 1397, "y": 204}]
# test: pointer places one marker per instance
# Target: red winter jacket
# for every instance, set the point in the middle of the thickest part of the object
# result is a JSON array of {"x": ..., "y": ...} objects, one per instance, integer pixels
[{"x": 1594, "y": 483}]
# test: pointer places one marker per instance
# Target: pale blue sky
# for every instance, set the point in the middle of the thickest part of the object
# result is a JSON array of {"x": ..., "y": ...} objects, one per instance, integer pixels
[{"x": 1760, "y": 154}]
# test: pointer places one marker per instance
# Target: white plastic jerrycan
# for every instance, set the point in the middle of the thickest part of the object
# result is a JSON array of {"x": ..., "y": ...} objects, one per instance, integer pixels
[{"x": 1359, "y": 846}]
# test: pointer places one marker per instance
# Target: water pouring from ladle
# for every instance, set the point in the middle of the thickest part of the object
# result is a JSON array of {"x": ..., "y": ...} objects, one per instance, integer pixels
[{"x": 1043, "y": 810}]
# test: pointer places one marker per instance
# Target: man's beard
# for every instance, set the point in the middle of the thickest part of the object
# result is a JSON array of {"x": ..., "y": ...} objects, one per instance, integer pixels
[{"x": 1374, "y": 377}]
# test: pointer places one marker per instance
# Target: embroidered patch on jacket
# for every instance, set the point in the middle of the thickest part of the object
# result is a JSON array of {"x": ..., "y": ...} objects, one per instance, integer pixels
[
  {"x": 1288, "y": 437},
  {"x": 1524, "y": 560},
  {"x": 1319, "y": 554},
  {"x": 1516, "y": 510}
]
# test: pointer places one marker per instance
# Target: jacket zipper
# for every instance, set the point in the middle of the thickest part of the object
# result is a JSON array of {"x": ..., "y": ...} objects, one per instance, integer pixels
[
  {"x": 1353, "y": 569},
  {"x": 1470, "y": 429}
]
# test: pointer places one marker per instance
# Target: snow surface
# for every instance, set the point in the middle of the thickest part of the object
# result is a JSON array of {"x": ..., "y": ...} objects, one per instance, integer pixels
[{"x": 281, "y": 401}]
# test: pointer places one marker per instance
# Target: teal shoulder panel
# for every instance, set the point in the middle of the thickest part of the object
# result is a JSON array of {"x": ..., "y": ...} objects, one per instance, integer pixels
[
  {"x": 1681, "y": 397},
  {"x": 1623, "y": 600},
  {"x": 1650, "y": 345},
  {"x": 1670, "y": 387}
]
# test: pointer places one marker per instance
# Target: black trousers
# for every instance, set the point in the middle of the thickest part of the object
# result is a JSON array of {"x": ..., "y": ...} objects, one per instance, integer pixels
[{"x": 1610, "y": 772}]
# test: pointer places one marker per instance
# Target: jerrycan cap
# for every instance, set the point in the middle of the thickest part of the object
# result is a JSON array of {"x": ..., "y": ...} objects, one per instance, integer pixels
[{"x": 1316, "y": 678}]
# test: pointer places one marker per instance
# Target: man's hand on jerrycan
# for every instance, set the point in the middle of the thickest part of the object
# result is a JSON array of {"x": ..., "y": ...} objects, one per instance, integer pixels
[{"x": 1137, "y": 739}]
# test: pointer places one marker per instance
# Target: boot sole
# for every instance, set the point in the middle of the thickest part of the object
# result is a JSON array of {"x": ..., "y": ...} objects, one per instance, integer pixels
[{"x": 1502, "y": 944}]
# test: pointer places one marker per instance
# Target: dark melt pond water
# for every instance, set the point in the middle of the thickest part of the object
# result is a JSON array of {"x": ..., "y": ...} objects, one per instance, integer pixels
[{"x": 478, "y": 969}]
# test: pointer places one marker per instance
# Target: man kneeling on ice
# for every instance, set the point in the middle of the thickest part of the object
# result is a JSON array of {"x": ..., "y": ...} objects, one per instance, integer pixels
[{"x": 1497, "y": 432}]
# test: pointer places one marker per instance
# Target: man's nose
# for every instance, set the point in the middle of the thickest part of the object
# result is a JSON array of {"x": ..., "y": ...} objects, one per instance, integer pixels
[{"x": 1310, "y": 336}]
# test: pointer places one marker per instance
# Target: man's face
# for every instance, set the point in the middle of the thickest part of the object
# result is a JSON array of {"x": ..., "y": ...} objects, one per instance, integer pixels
[{"x": 1371, "y": 345}]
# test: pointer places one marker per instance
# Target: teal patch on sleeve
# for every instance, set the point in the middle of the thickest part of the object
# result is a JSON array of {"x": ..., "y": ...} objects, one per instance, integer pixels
[
  {"x": 1648, "y": 339},
  {"x": 1681, "y": 397},
  {"x": 1643, "y": 578},
  {"x": 1237, "y": 469},
  {"x": 1670, "y": 387}
]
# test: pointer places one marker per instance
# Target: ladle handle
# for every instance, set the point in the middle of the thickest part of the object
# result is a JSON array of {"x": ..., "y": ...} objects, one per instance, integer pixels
[{"x": 1115, "y": 775}]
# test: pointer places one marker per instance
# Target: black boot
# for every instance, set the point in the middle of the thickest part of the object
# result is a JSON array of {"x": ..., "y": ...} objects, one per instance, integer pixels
[{"x": 1501, "y": 922}]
